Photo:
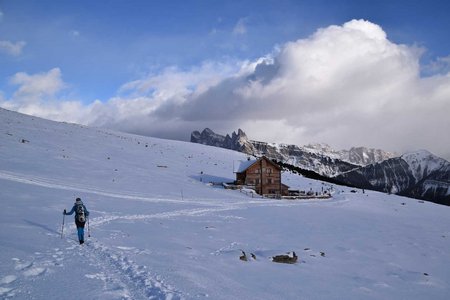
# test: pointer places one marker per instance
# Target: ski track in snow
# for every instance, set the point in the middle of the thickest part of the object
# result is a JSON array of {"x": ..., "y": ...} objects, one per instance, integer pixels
[
  {"x": 122, "y": 278},
  {"x": 123, "y": 275},
  {"x": 165, "y": 215},
  {"x": 55, "y": 184}
]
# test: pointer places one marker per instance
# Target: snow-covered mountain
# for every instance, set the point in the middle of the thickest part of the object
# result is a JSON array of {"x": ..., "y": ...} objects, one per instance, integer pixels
[
  {"x": 159, "y": 228},
  {"x": 361, "y": 156},
  {"x": 417, "y": 174},
  {"x": 320, "y": 158}
]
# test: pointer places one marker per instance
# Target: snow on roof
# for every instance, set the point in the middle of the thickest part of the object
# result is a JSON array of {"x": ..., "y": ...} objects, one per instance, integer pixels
[{"x": 244, "y": 165}]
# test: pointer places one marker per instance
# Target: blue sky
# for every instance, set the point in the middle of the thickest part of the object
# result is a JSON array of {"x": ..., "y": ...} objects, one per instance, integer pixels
[
  {"x": 99, "y": 45},
  {"x": 109, "y": 51}
]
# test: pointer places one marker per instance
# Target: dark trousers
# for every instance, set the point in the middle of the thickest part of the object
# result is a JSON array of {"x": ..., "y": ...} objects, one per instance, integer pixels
[
  {"x": 80, "y": 229},
  {"x": 79, "y": 224}
]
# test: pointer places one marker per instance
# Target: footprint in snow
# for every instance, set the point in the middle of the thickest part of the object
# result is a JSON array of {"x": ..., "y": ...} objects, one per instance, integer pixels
[
  {"x": 100, "y": 276},
  {"x": 5, "y": 292},
  {"x": 21, "y": 265},
  {"x": 28, "y": 269},
  {"x": 8, "y": 279},
  {"x": 125, "y": 248},
  {"x": 35, "y": 271}
]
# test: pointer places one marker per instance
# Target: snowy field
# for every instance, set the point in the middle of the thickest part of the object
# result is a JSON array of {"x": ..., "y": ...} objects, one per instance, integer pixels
[{"x": 159, "y": 230}]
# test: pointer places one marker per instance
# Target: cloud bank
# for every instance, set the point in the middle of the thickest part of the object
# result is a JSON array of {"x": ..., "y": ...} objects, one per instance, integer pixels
[
  {"x": 14, "y": 49},
  {"x": 344, "y": 85}
]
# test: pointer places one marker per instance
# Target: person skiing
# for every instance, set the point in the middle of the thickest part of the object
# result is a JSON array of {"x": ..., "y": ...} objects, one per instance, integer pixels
[{"x": 81, "y": 213}]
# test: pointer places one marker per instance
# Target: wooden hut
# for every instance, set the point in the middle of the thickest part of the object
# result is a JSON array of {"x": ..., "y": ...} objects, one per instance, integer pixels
[{"x": 263, "y": 175}]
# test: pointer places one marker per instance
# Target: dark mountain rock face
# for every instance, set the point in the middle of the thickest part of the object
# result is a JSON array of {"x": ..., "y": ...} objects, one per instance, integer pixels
[
  {"x": 418, "y": 175},
  {"x": 238, "y": 141},
  {"x": 389, "y": 176}
]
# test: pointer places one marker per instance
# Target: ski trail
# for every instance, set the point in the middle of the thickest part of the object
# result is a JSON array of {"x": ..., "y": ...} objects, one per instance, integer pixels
[
  {"x": 120, "y": 273},
  {"x": 55, "y": 184},
  {"x": 121, "y": 277},
  {"x": 164, "y": 215},
  {"x": 130, "y": 195}
]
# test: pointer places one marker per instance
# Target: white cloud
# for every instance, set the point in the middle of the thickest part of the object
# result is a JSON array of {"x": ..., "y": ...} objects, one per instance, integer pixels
[
  {"x": 241, "y": 27},
  {"x": 345, "y": 85},
  {"x": 11, "y": 48},
  {"x": 37, "y": 87},
  {"x": 38, "y": 95}
]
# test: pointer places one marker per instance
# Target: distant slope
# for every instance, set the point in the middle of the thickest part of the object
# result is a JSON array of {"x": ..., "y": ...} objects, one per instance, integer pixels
[{"x": 44, "y": 149}]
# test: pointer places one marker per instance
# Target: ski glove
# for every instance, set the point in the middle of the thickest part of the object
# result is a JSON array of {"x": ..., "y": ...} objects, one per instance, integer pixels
[{"x": 64, "y": 212}]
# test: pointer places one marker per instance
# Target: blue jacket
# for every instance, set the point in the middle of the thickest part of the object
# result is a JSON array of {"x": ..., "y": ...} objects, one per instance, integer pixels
[{"x": 74, "y": 210}]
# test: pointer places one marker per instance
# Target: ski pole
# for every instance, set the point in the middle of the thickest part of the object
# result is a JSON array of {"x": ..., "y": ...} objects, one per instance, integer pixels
[
  {"x": 62, "y": 228},
  {"x": 89, "y": 228}
]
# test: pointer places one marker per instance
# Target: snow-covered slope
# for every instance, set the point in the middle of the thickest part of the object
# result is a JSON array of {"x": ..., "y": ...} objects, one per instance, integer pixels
[{"x": 159, "y": 230}]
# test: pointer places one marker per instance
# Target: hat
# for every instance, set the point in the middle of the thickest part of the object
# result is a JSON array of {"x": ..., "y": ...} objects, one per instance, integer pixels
[{"x": 78, "y": 199}]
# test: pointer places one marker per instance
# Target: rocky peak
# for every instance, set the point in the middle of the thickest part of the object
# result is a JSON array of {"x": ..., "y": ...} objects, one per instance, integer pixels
[
  {"x": 422, "y": 163},
  {"x": 237, "y": 141},
  {"x": 207, "y": 137}
]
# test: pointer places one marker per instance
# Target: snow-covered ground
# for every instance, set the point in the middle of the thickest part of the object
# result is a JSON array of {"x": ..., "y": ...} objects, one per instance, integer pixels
[{"x": 159, "y": 230}]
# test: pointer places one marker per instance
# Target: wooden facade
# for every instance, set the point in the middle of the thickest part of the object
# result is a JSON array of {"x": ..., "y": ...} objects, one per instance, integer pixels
[{"x": 263, "y": 175}]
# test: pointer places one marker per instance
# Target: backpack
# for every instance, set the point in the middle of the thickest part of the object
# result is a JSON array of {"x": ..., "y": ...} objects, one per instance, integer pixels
[{"x": 81, "y": 217}]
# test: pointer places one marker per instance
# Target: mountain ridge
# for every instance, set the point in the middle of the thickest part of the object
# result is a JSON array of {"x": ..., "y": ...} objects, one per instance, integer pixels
[{"x": 320, "y": 158}]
